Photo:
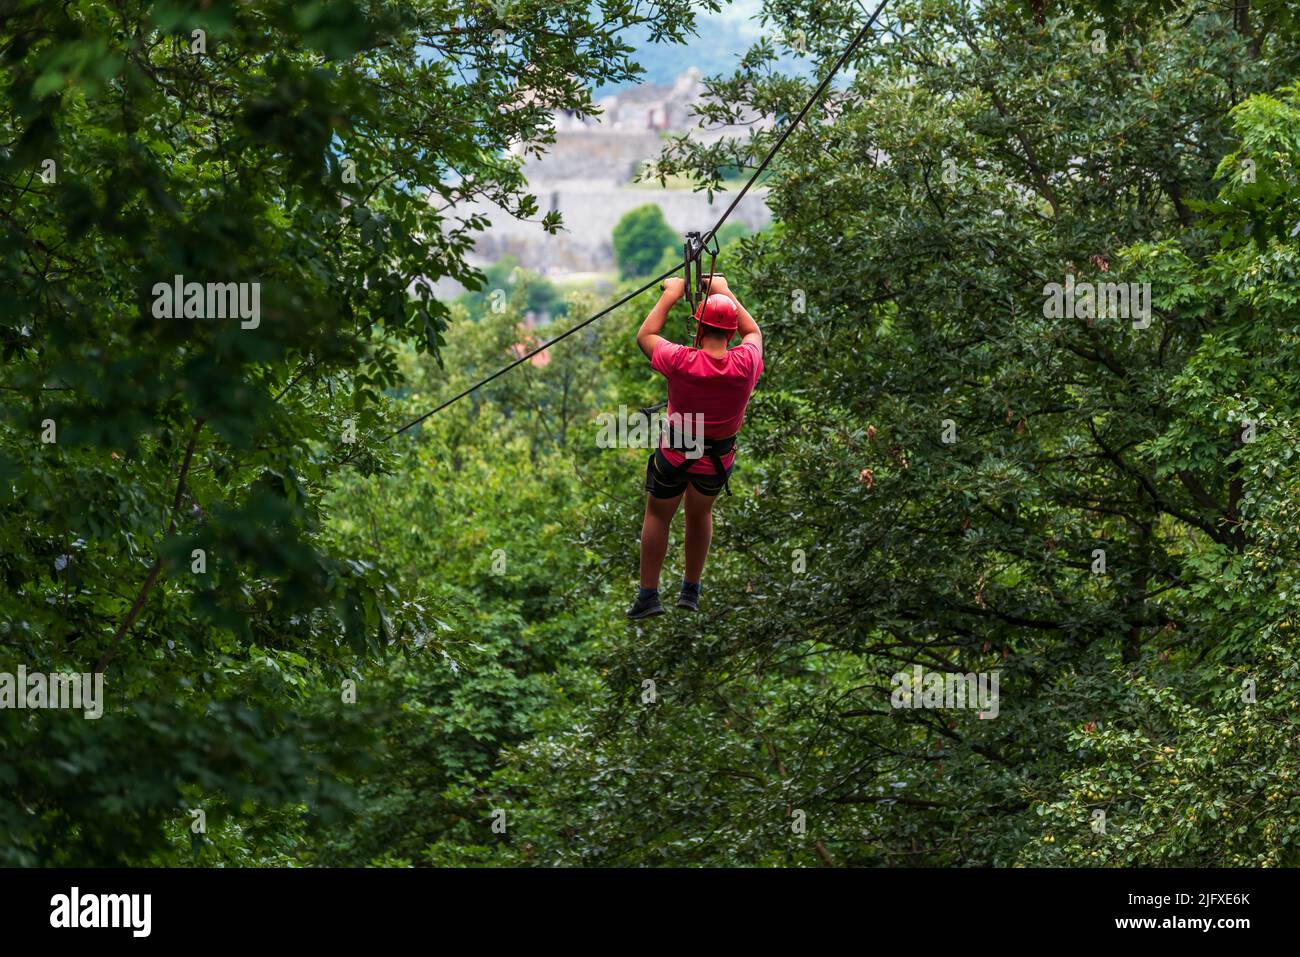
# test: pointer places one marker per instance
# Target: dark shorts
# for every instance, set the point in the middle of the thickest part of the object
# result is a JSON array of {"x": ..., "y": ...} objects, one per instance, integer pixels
[{"x": 658, "y": 486}]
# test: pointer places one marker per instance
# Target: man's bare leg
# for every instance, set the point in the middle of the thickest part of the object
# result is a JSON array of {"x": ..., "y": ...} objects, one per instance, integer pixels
[
  {"x": 654, "y": 537},
  {"x": 699, "y": 532}
]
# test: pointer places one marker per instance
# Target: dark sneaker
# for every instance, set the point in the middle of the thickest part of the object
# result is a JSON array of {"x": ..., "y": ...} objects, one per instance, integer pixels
[
  {"x": 690, "y": 600},
  {"x": 646, "y": 607}
]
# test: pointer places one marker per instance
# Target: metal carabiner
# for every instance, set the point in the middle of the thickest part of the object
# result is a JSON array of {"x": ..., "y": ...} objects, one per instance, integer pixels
[
  {"x": 691, "y": 254},
  {"x": 707, "y": 287}
]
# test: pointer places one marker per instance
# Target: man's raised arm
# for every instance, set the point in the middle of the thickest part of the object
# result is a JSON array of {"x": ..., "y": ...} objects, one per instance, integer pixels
[{"x": 647, "y": 337}]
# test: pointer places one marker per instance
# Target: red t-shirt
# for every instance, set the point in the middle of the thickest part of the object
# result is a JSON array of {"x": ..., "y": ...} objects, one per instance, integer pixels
[{"x": 719, "y": 389}]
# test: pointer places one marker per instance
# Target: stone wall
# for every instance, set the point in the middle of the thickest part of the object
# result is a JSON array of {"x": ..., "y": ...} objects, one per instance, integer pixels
[
  {"x": 591, "y": 211},
  {"x": 587, "y": 174},
  {"x": 593, "y": 154}
]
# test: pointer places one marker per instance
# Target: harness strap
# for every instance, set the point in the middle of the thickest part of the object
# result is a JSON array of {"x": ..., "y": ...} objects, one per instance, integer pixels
[
  {"x": 705, "y": 287},
  {"x": 714, "y": 450},
  {"x": 720, "y": 446},
  {"x": 718, "y": 467}
]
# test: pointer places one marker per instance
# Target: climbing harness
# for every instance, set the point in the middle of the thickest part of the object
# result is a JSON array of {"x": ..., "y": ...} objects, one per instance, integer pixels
[
  {"x": 704, "y": 240},
  {"x": 698, "y": 289},
  {"x": 714, "y": 450}
]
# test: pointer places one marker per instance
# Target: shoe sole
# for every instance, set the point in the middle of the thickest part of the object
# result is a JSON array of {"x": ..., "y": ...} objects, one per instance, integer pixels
[
  {"x": 688, "y": 606},
  {"x": 647, "y": 614}
]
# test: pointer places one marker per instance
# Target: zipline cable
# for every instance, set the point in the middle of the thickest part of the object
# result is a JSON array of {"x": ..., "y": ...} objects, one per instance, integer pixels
[
  {"x": 843, "y": 58},
  {"x": 848, "y": 52},
  {"x": 542, "y": 348}
]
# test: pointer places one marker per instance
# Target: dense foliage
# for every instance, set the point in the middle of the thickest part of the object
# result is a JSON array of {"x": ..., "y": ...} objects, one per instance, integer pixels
[
  {"x": 164, "y": 474},
  {"x": 940, "y": 467}
]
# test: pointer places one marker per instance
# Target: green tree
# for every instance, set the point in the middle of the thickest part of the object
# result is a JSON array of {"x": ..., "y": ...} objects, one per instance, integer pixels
[
  {"x": 936, "y": 464},
  {"x": 163, "y": 474},
  {"x": 540, "y": 294},
  {"x": 1200, "y": 767},
  {"x": 640, "y": 240}
]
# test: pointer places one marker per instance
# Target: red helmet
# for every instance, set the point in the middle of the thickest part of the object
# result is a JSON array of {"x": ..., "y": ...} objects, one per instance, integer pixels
[{"x": 718, "y": 311}]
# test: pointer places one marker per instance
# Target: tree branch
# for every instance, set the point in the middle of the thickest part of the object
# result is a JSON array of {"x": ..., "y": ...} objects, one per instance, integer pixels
[{"x": 155, "y": 570}]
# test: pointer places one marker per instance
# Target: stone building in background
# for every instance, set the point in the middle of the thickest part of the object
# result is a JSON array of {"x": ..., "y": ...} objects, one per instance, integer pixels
[{"x": 588, "y": 175}]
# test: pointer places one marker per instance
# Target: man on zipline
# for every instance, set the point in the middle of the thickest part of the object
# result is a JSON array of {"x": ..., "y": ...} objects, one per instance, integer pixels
[{"x": 707, "y": 380}]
